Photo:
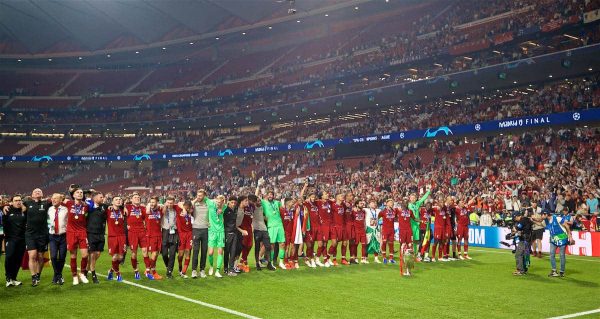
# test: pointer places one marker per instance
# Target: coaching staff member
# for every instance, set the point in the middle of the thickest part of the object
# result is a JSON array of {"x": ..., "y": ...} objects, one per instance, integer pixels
[{"x": 14, "y": 230}]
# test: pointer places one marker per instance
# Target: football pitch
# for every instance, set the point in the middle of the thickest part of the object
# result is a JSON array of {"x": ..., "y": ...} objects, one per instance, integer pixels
[{"x": 480, "y": 288}]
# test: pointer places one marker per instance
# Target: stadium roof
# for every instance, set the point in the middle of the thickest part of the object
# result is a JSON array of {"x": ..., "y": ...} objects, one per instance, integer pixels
[{"x": 53, "y": 26}]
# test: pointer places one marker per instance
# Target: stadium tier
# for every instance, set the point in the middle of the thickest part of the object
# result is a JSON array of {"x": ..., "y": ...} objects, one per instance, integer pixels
[{"x": 331, "y": 147}]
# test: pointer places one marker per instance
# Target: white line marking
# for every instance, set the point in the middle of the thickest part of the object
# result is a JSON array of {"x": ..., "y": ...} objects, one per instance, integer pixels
[
  {"x": 198, "y": 302},
  {"x": 508, "y": 251},
  {"x": 578, "y": 314}
]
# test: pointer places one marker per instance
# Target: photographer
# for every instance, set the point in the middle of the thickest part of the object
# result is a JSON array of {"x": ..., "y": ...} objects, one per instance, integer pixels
[
  {"x": 521, "y": 232},
  {"x": 560, "y": 237}
]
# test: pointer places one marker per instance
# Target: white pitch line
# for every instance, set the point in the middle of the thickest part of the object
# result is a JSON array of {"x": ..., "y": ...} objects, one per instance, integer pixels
[
  {"x": 578, "y": 314},
  {"x": 507, "y": 251},
  {"x": 198, "y": 302}
]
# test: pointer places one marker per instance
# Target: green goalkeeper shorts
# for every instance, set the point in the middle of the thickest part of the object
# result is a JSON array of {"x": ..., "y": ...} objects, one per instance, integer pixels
[
  {"x": 276, "y": 234},
  {"x": 216, "y": 239}
]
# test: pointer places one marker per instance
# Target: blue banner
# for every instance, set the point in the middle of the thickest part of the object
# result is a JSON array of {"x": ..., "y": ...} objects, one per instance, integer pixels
[{"x": 555, "y": 119}]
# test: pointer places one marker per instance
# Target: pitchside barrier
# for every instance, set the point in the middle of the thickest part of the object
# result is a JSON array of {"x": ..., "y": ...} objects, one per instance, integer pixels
[{"x": 586, "y": 243}]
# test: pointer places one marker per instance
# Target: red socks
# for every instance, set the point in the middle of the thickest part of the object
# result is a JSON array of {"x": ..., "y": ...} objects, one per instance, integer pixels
[
  {"x": 115, "y": 266},
  {"x": 74, "y": 266},
  {"x": 186, "y": 264},
  {"x": 134, "y": 263},
  {"x": 147, "y": 262}
]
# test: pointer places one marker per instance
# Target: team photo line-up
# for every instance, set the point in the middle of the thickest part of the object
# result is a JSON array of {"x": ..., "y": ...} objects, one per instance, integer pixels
[{"x": 283, "y": 231}]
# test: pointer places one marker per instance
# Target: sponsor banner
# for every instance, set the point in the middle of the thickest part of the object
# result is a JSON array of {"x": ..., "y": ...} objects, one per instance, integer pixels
[
  {"x": 552, "y": 25},
  {"x": 591, "y": 16},
  {"x": 469, "y": 47},
  {"x": 502, "y": 38},
  {"x": 586, "y": 243},
  {"x": 546, "y": 120}
]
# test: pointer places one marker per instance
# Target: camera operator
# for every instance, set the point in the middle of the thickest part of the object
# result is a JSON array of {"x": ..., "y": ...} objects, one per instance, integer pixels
[{"x": 521, "y": 231}]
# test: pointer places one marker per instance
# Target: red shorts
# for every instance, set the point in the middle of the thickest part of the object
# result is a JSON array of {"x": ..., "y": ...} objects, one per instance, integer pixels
[
  {"x": 154, "y": 243},
  {"x": 116, "y": 245},
  {"x": 387, "y": 236},
  {"x": 462, "y": 232},
  {"x": 311, "y": 235},
  {"x": 247, "y": 240},
  {"x": 405, "y": 236},
  {"x": 137, "y": 239},
  {"x": 336, "y": 232},
  {"x": 185, "y": 240},
  {"x": 439, "y": 234},
  {"x": 347, "y": 235},
  {"x": 77, "y": 240},
  {"x": 450, "y": 234},
  {"x": 360, "y": 237},
  {"x": 288, "y": 235},
  {"x": 324, "y": 232}
]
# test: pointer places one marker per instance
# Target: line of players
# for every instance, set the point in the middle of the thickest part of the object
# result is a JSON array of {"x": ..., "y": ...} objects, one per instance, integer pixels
[{"x": 284, "y": 231}]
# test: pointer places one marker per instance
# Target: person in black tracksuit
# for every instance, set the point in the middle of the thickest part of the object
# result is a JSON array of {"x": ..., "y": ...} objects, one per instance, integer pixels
[
  {"x": 231, "y": 236},
  {"x": 14, "y": 229},
  {"x": 96, "y": 230},
  {"x": 36, "y": 233}
]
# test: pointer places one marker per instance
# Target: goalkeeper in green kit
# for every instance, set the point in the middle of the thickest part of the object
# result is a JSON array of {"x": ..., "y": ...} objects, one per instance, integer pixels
[
  {"x": 415, "y": 206},
  {"x": 271, "y": 210},
  {"x": 216, "y": 233}
]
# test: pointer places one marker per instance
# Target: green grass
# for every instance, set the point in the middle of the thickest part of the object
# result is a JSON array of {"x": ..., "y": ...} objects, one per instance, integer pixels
[{"x": 482, "y": 287}]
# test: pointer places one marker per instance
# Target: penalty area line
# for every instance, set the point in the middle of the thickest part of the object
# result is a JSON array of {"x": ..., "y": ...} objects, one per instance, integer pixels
[{"x": 577, "y": 314}]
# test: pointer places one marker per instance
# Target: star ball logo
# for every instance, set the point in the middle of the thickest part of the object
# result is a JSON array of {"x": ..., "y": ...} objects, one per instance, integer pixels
[
  {"x": 477, "y": 127},
  {"x": 576, "y": 116},
  {"x": 314, "y": 144}
]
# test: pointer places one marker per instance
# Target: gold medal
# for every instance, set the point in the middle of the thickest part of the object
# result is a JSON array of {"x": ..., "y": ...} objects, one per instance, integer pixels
[
  {"x": 187, "y": 223},
  {"x": 117, "y": 222},
  {"x": 137, "y": 216},
  {"x": 76, "y": 216}
]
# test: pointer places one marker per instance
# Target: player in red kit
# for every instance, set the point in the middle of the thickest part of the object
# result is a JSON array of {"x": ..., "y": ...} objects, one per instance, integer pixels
[
  {"x": 312, "y": 227},
  {"x": 244, "y": 224},
  {"x": 462, "y": 229},
  {"x": 389, "y": 215},
  {"x": 338, "y": 209},
  {"x": 324, "y": 231},
  {"x": 77, "y": 233},
  {"x": 439, "y": 230},
  {"x": 184, "y": 230},
  {"x": 425, "y": 232},
  {"x": 153, "y": 235},
  {"x": 450, "y": 208},
  {"x": 348, "y": 224},
  {"x": 287, "y": 216},
  {"x": 358, "y": 233},
  {"x": 115, "y": 220},
  {"x": 405, "y": 234},
  {"x": 136, "y": 233}
]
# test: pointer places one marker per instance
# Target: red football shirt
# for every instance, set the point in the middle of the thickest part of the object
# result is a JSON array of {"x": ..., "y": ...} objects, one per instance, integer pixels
[
  {"x": 325, "y": 212},
  {"x": 184, "y": 223},
  {"x": 313, "y": 211},
  {"x": 77, "y": 214},
  {"x": 115, "y": 218},
  {"x": 358, "y": 219},
  {"x": 287, "y": 216},
  {"x": 136, "y": 218},
  {"x": 247, "y": 219},
  {"x": 153, "y": 225},
  {"x": 388, "y": 216},
  {"x": 462, "y": 216},
  {"x": 404, "y": 218},
  {"x": 440, "y": 218},
  {"x": 348, "y": 213},
  {"x": 338, "y": 212}
]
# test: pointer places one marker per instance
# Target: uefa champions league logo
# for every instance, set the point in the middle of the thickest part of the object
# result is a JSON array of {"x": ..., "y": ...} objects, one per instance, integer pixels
[
  {"x": 477, "y": 127},
  {"x": 576, "y": 116}
]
